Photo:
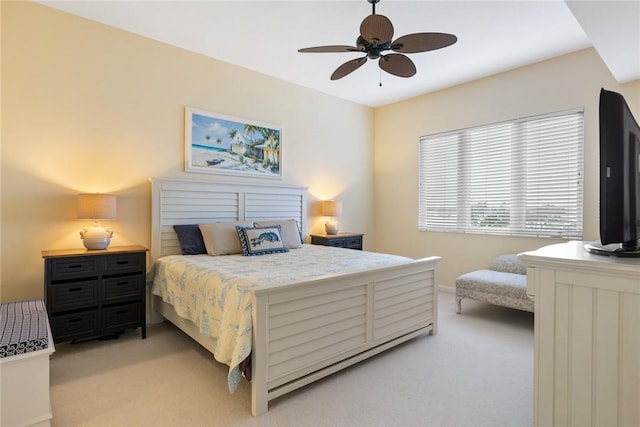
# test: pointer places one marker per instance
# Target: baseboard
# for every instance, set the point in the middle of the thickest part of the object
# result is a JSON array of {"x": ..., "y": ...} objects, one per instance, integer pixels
[{"x": 448, "y": 289}]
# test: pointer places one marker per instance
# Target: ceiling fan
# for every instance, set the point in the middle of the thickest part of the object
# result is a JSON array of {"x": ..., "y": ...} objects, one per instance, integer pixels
[{"x": 376, "y": 32}]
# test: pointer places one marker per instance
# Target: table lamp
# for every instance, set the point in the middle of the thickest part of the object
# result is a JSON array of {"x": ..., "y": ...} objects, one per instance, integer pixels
[
  {"x": 96, "y": 206},
  {"x": 333, "y": 209}
]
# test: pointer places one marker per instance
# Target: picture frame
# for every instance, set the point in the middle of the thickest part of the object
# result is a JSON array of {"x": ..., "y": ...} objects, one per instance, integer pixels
[{"x": 221, "y": 144}]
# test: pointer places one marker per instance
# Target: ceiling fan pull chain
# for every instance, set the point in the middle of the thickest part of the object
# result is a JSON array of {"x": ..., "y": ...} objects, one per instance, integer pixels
[{"x": 380, "y": 69}]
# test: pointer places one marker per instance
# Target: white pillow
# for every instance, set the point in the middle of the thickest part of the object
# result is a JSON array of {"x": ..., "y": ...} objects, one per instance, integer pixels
[
  {"x": 221, "y": 238},
  {"x": 289, "y": 230}
]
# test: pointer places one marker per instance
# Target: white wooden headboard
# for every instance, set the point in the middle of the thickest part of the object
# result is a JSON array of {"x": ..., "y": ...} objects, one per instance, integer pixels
[{"x": 183, "y": 201}]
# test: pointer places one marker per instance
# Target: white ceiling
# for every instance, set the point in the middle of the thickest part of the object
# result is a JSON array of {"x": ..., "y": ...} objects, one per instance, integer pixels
[{"x": 493, "y": 36}]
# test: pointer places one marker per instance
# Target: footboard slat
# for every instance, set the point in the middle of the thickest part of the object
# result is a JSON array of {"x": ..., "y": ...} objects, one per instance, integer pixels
[
  {"x": 294, "y": 314},
  {"x": 311, "y": 354},
  {"x": 289, "y": 335}
]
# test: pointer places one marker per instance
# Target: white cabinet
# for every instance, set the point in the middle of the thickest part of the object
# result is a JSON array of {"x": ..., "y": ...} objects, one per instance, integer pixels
[
  {"x": 587, "y": 337},
  {"x": 25, "y": 347}
]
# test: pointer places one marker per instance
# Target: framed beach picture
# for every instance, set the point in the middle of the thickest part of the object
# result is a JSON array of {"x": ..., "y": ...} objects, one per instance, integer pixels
[{"x": 216, "y": 143}]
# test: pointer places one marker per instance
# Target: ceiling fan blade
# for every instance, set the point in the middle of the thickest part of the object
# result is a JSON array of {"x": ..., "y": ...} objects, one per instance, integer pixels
[
  {"x": 397, "y": 64},
  {"x": 376, "y": 28},
  {"x": 348, "y": 67},
  {"x": 422, "y": 42},
  {"x": 330, "y": 49}
]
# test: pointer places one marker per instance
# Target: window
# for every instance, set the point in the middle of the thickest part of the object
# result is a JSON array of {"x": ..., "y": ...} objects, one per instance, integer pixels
[{"x": 521, "y": 177}]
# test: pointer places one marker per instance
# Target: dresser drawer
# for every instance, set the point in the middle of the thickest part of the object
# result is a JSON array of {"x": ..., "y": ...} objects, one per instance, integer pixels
[
  {"x": 122, "y": 288},
  {"x": 69, "y": 268},
  {"x": 124, "y": 263},
  {"x": 72, "y": 295},
  {"x": 121, "y": 316},
  {"x": 74, "y": 325}
]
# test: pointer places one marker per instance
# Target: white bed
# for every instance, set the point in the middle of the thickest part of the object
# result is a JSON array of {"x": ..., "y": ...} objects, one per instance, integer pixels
[{"x": 292, "y": 319}]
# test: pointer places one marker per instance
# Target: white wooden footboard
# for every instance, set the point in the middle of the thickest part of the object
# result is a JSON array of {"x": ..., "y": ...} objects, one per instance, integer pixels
[{"x": 303, "y": 332}]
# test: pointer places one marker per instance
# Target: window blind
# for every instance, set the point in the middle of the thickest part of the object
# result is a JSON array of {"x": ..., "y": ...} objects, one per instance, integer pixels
[{"x": 520, "y": 177}]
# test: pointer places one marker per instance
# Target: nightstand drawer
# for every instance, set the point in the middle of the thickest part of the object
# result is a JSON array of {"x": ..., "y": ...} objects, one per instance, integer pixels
[
  {"x": 120, "y": 288},
  {"x": 72, "y": 295},
  {"x": 354, "y": 242},
  {"x": 74, "y": 325},
  {"x": 125, "y": 263},
  {"x": 340, "y": 243},
  {"x": 121, "y": 316},
  {"x": 68, "y": 268}
]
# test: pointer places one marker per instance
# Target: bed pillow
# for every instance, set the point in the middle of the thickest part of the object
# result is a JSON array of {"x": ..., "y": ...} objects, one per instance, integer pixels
[
  {"x": 289, "y": 230},
  {"x": 190, "y": 239},
  {"x": 260, "y": 240},
  {"x": 221, "y": 238}
]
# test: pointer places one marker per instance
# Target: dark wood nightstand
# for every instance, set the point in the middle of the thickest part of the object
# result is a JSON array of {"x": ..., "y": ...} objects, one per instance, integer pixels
[
  {"x": 340, "y": 240},
  {"x": 95, "y": 293}
]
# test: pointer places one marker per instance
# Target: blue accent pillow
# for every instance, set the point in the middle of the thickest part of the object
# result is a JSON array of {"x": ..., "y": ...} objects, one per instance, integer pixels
[
  {"x": 260, "y": 240},
  {"x": 190, "y": 239}
]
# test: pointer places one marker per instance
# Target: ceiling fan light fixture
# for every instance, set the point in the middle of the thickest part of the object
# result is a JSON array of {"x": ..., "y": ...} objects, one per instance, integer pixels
[{"x": 376, "y": 34}]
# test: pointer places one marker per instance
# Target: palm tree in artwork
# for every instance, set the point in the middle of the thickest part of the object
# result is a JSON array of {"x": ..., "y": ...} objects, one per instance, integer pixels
[
  {"x": 249, "y": 129},
  {"x": 232, "y": 134},
  {"x": 272, "y": 140}
]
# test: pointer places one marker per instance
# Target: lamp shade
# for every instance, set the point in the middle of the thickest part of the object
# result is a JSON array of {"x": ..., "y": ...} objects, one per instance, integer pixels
[
  {"x": 96, "y": 206},
  {"x": 331, "y": 208}
]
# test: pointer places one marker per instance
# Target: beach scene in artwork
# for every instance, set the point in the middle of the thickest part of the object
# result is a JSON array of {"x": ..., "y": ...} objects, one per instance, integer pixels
[{"x": 219, "y": 144}]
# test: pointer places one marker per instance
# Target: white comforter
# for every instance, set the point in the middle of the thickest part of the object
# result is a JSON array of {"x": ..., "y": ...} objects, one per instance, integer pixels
[{"x": 214, "y": 292}]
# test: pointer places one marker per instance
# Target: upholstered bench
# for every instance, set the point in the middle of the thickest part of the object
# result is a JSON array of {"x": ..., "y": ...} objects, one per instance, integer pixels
[{"x": 505, "y": 284}]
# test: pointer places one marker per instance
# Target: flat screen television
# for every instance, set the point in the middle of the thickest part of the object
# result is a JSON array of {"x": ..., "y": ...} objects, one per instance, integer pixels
[{"x": 619, "y": 178}]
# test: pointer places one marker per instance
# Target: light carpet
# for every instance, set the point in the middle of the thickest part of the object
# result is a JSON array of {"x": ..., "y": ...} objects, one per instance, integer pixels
[{"x": 477, "y": 371}]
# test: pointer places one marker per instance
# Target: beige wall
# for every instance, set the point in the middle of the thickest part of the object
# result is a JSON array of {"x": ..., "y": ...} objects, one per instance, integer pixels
[
  {"x": 562, "y": 83},
  {"x": 88, "y": 108}
]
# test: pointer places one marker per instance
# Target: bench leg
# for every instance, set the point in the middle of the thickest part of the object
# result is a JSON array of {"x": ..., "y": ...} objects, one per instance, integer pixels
[{"x": 459, "y": 301}]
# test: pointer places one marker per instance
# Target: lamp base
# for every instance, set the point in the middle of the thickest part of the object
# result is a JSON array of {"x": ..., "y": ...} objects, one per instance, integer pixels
[
  {"x": 96, "y": 243},
  {"x": 331, "y": 227},
  {"x": 96, "y": 237}
]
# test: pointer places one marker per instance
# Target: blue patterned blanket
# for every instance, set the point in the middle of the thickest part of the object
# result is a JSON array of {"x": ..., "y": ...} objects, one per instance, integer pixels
[{"x": 214, "y": 292}]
